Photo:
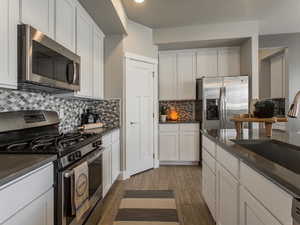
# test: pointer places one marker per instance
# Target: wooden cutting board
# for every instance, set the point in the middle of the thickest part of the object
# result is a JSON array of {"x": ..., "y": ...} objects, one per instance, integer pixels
[{"x": 245, "y": 118}]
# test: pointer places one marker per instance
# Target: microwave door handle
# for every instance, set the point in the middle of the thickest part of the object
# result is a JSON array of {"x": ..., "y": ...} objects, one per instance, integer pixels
[
  {"x": 70, "y": 173},
  {"x": 75, "y": 73}
]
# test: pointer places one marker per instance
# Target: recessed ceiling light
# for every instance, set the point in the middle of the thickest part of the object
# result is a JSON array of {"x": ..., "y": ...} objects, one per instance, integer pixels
[{"x": 139, "y": 1}]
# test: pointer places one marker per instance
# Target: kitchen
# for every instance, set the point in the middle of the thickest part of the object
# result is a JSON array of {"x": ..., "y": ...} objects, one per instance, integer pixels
[{"x": 111, "y": 114}]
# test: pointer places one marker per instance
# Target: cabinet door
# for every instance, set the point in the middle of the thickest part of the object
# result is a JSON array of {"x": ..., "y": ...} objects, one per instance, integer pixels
[
  {"x": 84, "y": 50},
  {"x": 65, "y": 23},
  {"x": 107, "y": 175},
  {"x": 186, "y": 73},
  {"x": 207, "y": 62},
  {"x": 167, "y": 77},
  {"x": 39, "y": 14},
  {"x": 9, "y": 16},
  {"x": 209, "y": 189},
  {"x": 38, "y": 212},
  {"x": 227, "y": 195},
  {"x": 252, "y": 212},
  {"x": 229, "y": 61},
  {"x": 189, "y": 146},
  {"x": 168, "y": 146},
  {"x": 98, "y": 64},
  {"x": 115, "y": 160}
]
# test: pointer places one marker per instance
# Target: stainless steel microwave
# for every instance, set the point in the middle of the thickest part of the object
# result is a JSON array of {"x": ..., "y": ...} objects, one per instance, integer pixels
[{"x": 44, "y": 64}]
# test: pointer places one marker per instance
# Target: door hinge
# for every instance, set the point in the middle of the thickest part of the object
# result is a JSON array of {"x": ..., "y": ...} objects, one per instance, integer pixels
[
  {"x": 153, "y": 74},
  {"x": 153, "y": 156},
  {"x": 153, "y": 115}
]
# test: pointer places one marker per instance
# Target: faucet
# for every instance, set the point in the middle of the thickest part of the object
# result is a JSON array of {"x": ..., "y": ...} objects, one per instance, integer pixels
[{"x": 294, "y": 108}]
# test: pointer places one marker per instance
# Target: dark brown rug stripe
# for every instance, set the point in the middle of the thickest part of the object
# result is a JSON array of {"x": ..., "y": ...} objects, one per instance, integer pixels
[
  {"x": 149, "y": 194},
  {"x": 159, "y": 215}
]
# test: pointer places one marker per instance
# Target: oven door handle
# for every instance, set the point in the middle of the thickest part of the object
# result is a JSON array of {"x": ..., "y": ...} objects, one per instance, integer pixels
[{"x": 70, "y": 173}]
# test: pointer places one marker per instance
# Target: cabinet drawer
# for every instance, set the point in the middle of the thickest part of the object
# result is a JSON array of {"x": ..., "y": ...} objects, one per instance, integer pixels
[
  {"x": 209, "y": 160},
  {"x": 209, "y": 145},
  {"x": 276, "y": 200},
  {"x": 189, "y": 127},
  {"x": 228, "y": 161},
  {"x": 107, "y": 139},
  {"x": 17, "y": 194},
  {"x": 169, "y": 127},
  {"x": 115, "y": 135}
]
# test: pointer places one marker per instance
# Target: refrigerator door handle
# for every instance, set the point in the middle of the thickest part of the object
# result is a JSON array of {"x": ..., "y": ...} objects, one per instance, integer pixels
[
  {"x": 221, "y": 107},
  {"x": 224, "y": 106}
]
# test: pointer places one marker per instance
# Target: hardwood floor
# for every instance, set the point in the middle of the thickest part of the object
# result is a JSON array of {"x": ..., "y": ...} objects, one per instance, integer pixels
[{"x": 184, "y": 180}]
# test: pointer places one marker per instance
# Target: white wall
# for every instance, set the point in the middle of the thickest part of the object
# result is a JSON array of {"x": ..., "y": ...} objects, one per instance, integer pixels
[
  {"x": 140, "y": 40},
  {"x": 206, "y": 32}
]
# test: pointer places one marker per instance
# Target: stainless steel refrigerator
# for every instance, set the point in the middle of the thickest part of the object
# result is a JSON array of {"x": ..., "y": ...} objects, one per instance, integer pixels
[{"x": 219, "y": 99}]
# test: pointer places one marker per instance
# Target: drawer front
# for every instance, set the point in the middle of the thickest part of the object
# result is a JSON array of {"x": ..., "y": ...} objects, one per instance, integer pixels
[
  {"x": 107, "y": 139},
  {"x": 17, "y": 194},
  {"x": 228, "y": 161},
  {"x": 209, "y": 145},
  {"x": 209, "y": 160},
  {"x": 276, "y": 200},
  {"x": 169, "y": 127},
  {"x": 189, "y": 127},
  {"x": 116, "y": 135}
]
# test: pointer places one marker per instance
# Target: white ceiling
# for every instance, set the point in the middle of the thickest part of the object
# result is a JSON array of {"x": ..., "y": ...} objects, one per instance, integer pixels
[{"x": 174, "y": 13}]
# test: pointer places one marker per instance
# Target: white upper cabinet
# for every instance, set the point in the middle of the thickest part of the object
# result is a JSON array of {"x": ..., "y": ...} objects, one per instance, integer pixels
[
  {"x": 167, "y": 76},
  {"x": 39, "y": 14},
  {"x": 98, "y": 64},
  {"x": 186, "y": 73},
  {"x": 207, "y": 62},
  {"x": 65, "y": 23},
  {"x": 85, "y": 51},
  {"x": 9, "y": 16},
  {"x": 229, "y": 61}
]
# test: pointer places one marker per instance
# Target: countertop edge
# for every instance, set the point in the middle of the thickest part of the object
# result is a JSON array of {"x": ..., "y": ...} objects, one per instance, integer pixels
[
  {"x": 26, "y": 170},
  {"x": 290, "y": 189}
]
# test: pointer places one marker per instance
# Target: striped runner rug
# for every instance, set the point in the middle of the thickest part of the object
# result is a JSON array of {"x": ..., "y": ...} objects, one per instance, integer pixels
[{"x": 144, "y": 207}]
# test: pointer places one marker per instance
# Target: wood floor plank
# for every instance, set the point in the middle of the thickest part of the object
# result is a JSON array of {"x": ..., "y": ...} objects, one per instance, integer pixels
[{"x": 184, "y": 180}]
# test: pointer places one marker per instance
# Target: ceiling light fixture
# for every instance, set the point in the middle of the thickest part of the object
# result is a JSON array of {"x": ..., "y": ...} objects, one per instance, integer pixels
[{"x": 139, "y": 1}]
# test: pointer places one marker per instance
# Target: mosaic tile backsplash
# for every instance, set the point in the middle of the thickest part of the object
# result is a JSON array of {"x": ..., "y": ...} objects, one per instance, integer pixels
[
  {"x": 185, "y": 109},
  {"x": 69, "y": 110}
]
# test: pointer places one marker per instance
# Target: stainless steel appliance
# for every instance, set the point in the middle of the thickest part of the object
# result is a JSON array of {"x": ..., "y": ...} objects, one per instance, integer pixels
[
  {"x": 45, "y": 65},
  {"x": 36, "y": 132},
  {"x": 220, "y": 98}
]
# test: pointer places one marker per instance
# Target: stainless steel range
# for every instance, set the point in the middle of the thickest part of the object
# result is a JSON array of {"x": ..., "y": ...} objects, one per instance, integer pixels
[{"x": 36, "y": 132}]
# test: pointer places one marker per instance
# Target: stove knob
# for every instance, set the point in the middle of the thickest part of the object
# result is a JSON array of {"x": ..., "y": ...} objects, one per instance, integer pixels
[
  {"x": 71, "y": 158},
  {"x": 78, "y": 155}
]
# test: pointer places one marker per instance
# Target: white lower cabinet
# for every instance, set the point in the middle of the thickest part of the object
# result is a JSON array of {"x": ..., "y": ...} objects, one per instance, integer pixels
[
  {"x": 241, "y": 195},
  {"x": 38, "y": 212},
  {"x": 253, "y": 213},
  {"x": 227, "y": 194},
  {"x": 29, "y": 200},
  {"x": 107, "y": 181},
  {"x": 209, "y": 188},
  {"x": 111, "y": 159},
  {"x": 179, "y": 142}
]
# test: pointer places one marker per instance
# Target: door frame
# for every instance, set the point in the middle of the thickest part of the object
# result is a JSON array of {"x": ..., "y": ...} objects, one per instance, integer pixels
[{"x": 154, "y": 62}]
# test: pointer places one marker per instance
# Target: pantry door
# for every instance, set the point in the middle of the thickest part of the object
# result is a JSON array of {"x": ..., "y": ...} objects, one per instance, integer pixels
[{"x": 139, "y": 116}]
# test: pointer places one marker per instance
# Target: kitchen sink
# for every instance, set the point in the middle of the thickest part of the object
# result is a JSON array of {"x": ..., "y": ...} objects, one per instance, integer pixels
[{"x": 281, "y": 153}]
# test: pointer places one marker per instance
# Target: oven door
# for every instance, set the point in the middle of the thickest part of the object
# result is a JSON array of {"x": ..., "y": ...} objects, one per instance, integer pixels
[
  {"x": 45, "y": 62},
  {"x": 94, "y": 161}
]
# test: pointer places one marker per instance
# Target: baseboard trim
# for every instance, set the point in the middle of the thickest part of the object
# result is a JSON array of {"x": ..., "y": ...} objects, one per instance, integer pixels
[
  {"x": 124, "y": 175},
  {"x": 178, "y": 163}
]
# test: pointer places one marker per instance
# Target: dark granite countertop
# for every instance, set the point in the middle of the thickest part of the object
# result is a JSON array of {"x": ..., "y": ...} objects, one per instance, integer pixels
[
  {"x": 283, "y": 177},
  {"x": 179, "y": 122},
  {"x": 13, "y": 166}
]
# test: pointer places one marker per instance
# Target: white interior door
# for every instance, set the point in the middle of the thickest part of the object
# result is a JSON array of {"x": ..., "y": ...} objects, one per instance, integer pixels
[{"x": 139, "y": 116}]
